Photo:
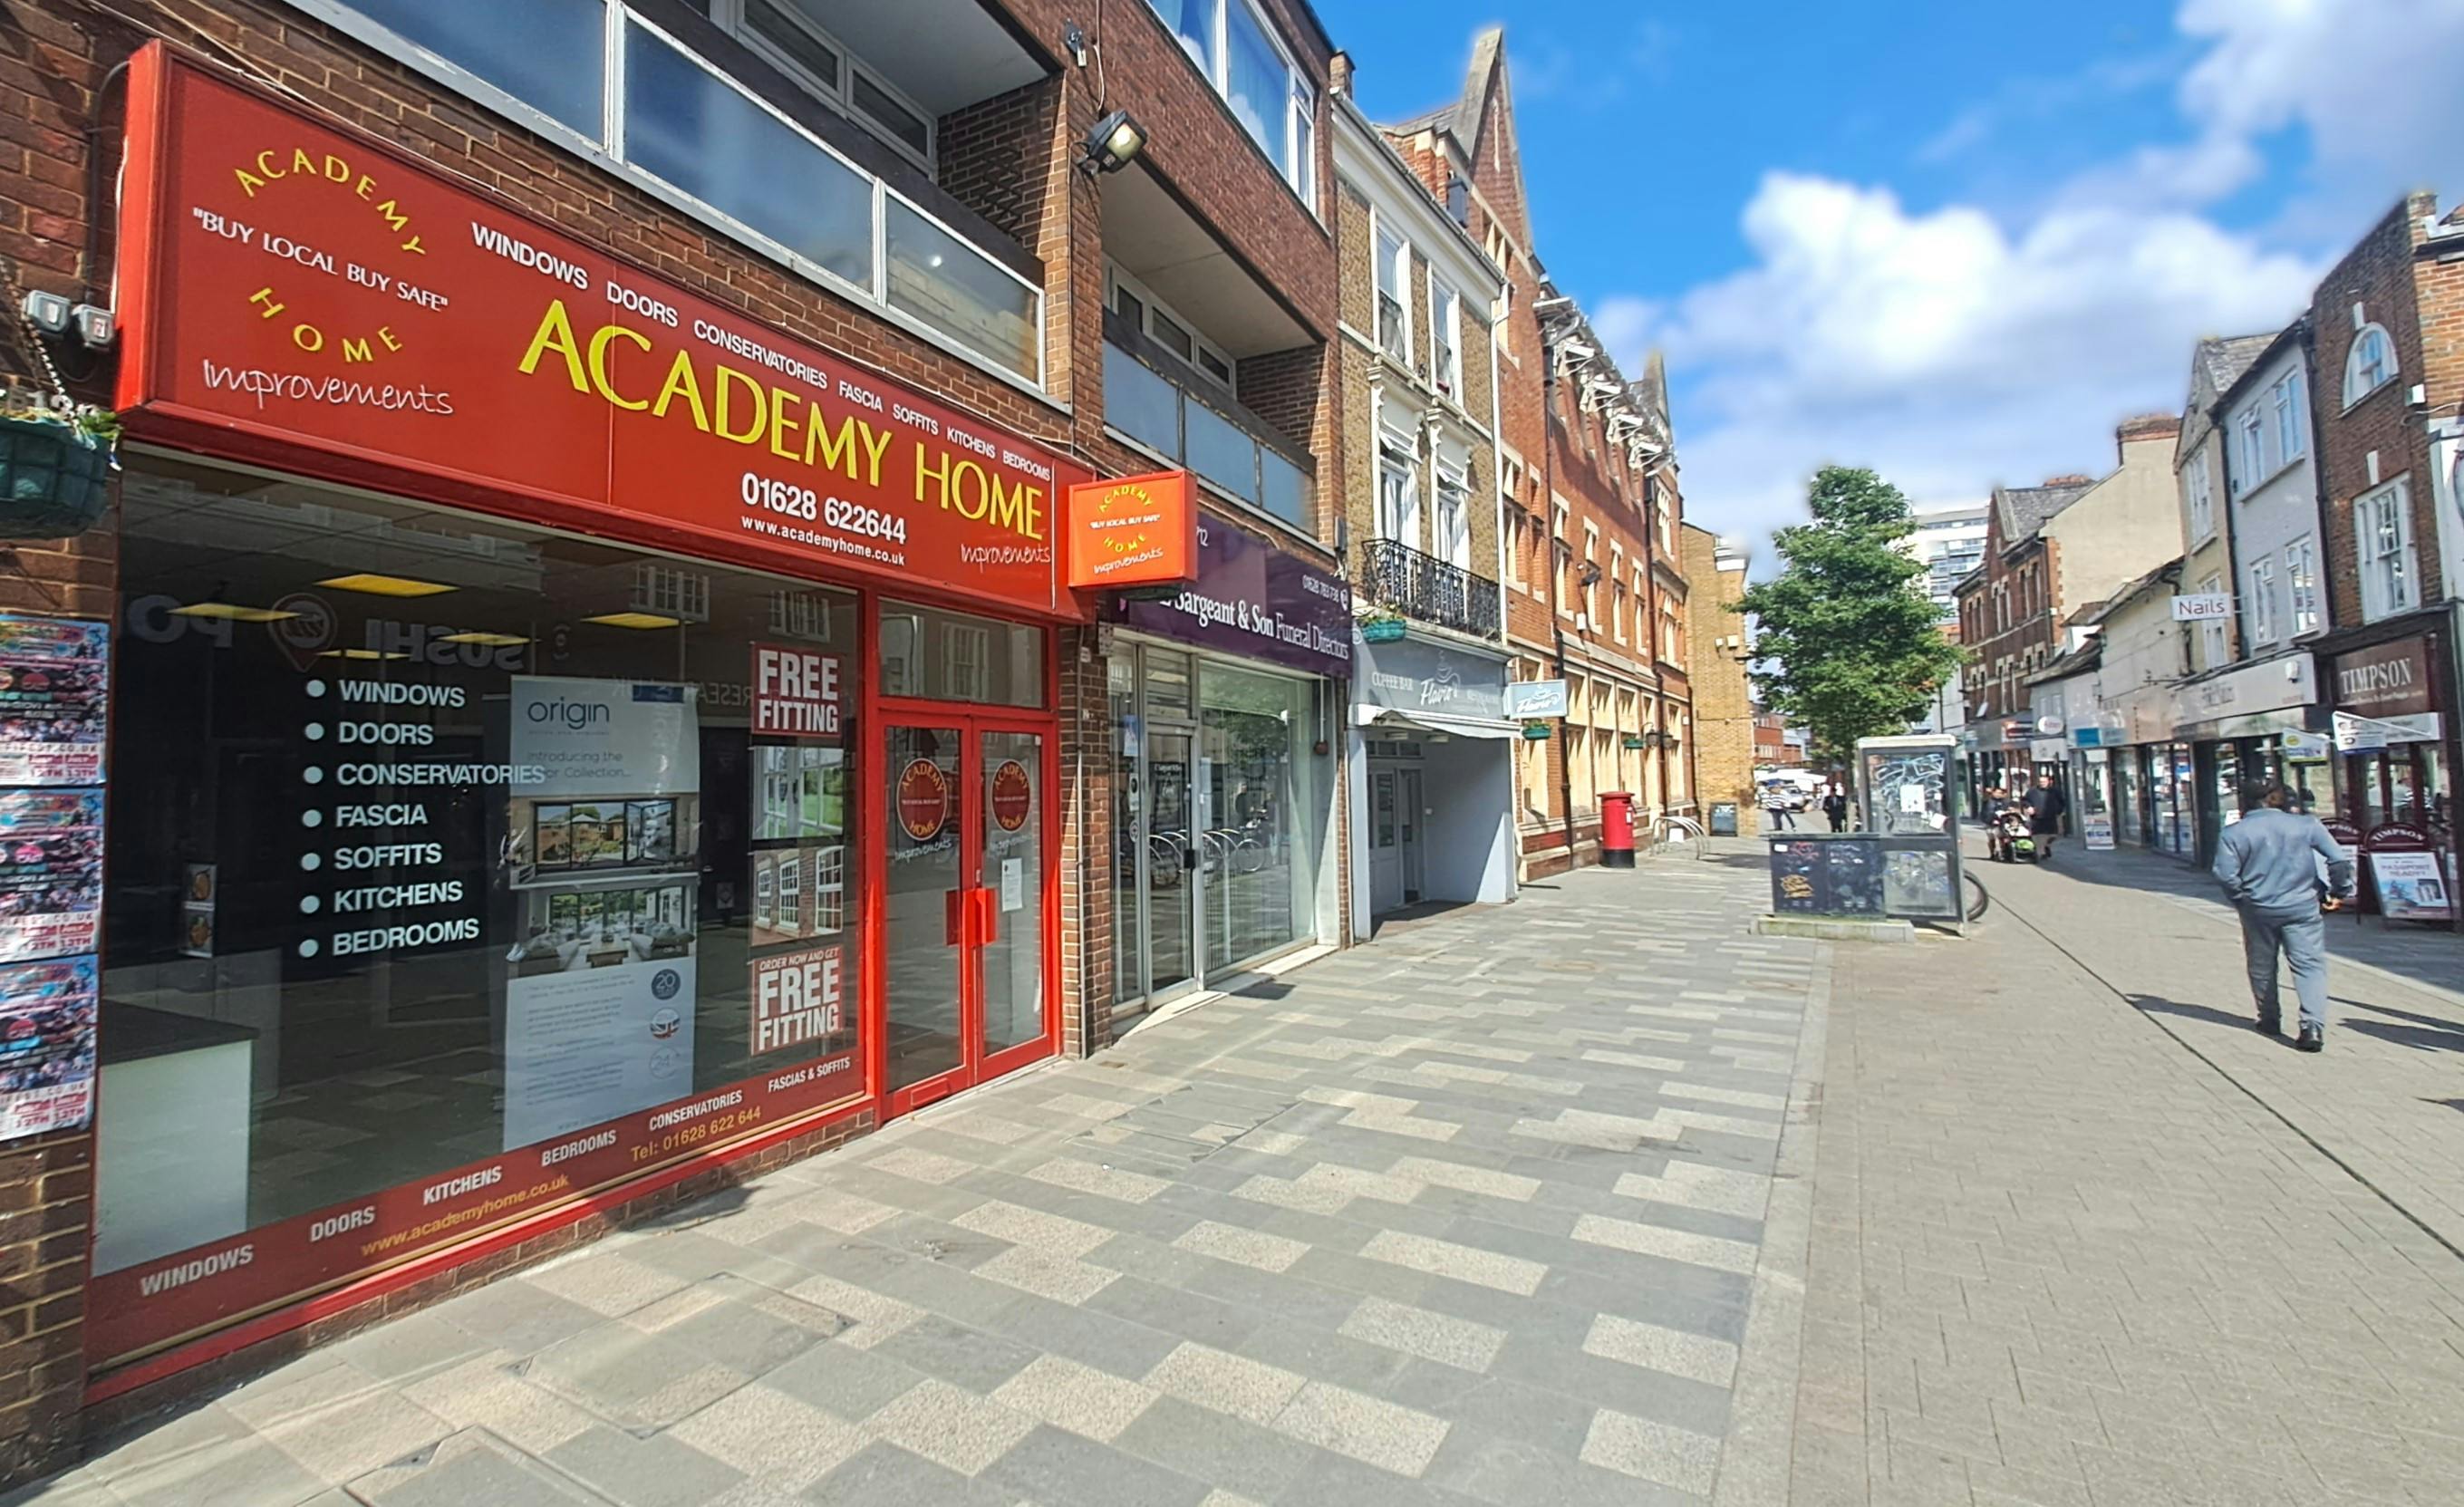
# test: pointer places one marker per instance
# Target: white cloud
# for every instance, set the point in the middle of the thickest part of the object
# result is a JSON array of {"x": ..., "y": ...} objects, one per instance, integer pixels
[{"x": 1949, "y": 349}]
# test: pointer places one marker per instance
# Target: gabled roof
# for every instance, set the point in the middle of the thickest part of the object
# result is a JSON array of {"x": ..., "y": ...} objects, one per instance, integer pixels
[
  {"x": 2090, "y": 616},
  {"x": 2295, "y": 332},
  {"x": 2022, "y": 510},
  {"x": 2216, "y": 364},
  {"x": 2072, "y": 662},
  {"x": 1461, "y": 118}
]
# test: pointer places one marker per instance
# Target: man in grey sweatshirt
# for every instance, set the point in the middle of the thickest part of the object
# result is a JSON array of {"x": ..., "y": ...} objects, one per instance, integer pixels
[{"x": 2269, "y": 863}]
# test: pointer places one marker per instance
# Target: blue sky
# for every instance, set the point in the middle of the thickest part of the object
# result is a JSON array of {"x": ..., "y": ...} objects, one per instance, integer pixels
[{"x": 1956, "y": 241}]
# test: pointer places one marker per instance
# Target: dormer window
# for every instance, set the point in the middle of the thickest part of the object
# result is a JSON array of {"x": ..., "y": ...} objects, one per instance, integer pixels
[{"x": 2369, "y": 365}]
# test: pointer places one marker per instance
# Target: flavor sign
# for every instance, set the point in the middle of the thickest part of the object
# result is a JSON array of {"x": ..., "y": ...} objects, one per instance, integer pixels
[{"x": 292, "y": 284}]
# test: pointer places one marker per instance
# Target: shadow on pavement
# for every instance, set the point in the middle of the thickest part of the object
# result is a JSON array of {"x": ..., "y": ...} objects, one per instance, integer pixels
[
  {"x": 2427, "y": 1033},
  {"x": 2158, "y": 1005}
]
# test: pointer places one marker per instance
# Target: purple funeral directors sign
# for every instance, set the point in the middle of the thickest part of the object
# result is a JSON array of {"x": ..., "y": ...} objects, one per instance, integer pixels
[{"x": 1252, "y": 600}]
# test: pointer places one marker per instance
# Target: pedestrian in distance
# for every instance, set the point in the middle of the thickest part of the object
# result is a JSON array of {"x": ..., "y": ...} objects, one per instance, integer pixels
[
  {"x": 2047, "y": 805},
  {"x": 1775, "y": 809},
  {"x": 2269, "y": 864},
  {"x": 1835, "y": 805}
]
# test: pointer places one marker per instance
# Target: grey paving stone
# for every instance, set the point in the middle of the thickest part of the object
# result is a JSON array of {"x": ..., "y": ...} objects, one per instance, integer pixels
[
  {"x": 356, "y": 1435},
  {"x": 1213, "y": 1446},
  {"x": 643, "y": 1472},
  {"x": 514, "y": 1316},
  {"x": 971, "y": 1358},
  {"x": 1188, "y": 1315},
  {"x": 470, "y": 1467},
  {"x": 1510, "y": 1472},
  {"x": 849, "y": 1383},
  {"x": 633, "y": 1380},
  {"x": 885, "y": 1475},
  {"x": 1052, "y": 1465},
  {"x": 246, "y": 1470}
]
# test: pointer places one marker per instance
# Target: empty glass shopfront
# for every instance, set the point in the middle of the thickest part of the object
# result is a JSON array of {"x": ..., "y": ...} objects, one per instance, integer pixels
[{"x": 1220, "y": 817}]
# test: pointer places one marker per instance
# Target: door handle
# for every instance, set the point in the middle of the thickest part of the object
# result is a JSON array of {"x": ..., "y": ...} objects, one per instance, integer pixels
[
  {"x": 988, "y": 918},
  {"x": 953, "y": 917}
]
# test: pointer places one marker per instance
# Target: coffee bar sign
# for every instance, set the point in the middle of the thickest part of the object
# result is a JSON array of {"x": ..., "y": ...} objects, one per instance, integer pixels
[{"x": 1411, "y": 676}]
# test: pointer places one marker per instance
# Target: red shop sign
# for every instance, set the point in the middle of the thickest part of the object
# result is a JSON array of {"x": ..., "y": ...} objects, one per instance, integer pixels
[
  {"x": 156, "y": 1302},
  {"x": 923, "y": 799},
  {"x": 290, "y": 285},
  {"x": 1013, "y": 794}
]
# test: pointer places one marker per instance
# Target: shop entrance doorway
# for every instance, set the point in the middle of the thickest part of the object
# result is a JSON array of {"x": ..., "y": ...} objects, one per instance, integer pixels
[
  {"x": 1395, "y": 864},
  {"x": 967, "y": 990}
]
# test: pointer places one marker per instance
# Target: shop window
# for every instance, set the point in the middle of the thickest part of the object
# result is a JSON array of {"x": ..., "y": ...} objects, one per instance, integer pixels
[
  {"x": 498, "y": 863},
  {"x": 936, "y": 655}
]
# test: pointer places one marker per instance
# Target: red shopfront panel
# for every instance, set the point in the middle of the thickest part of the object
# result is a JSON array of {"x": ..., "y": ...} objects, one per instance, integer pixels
[{"x": 293, "y": 291}]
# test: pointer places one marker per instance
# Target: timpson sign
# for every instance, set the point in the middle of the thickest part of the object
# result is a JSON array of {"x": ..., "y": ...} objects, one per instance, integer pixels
[
  {"x": 297, "y": 295},
  {"x": 2386, "y": 680}
]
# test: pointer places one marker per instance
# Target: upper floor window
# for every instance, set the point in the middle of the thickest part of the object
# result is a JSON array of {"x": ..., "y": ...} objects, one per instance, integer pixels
[
  {"x": 1393, "y": 310},
  {"x": 1502, "y": 256},
  {"x": 1452, "y": 534},
  {"x": 1231, "y": 44},
  {"x": 2369, "y": 365},
  {"x": 2302, "y": 584},
  {"x": 2261, "y": 605},
  {"x": 2292, "y": 418},
  {"x": 1157, "y": 321},
  {"x": 2248, "y": 435},
  {"x": 789, "y": 33},
  {"x": 2201, "y": 496},
  {"x": 2383, "y": 543},
  {"x": 1446, "y": 338},
  {"x": 594, "y": 74}
]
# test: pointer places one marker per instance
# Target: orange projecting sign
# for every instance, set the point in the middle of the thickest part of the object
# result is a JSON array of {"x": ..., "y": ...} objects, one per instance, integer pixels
[
  {"x": 298, "y": 295},
  {"x": 1136, "y": 530}
]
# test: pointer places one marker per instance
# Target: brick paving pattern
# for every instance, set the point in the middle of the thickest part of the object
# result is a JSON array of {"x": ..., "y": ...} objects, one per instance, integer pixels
[
  {"x": 2062, "y": 1255},
  {"x": 1469, "y": 1216}
]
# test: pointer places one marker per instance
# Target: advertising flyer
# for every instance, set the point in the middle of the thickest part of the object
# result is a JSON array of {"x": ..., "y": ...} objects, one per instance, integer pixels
[
  {"x": 2410, "y": 887},
  {"x": 600, "y": 988},
  {"x": 2097, "y": 827},
  {"x": 797, "y": 999},
  {"x": 47, "y": 1015},
  {"x": 51, "y": 872},
  {"x": 53, "y": 690}
]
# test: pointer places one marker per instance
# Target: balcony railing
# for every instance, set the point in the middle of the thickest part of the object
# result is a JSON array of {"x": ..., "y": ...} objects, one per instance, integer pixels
[
  {"x": 1423, "y": 586},
  {"x": 1206, "y": 432}
]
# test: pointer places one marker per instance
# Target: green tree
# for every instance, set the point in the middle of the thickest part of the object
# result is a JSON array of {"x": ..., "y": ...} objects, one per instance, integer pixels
[{"x": 1848, "y": 646}]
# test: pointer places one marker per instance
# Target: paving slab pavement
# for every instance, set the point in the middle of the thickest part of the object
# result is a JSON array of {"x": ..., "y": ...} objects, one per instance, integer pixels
[
  {"x": 1472, "y": 1214},
  {"x": 2083, "y": 1237}
]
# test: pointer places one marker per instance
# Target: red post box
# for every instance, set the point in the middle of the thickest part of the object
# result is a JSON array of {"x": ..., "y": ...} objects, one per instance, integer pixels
[{"x": 1616, "y": 829}]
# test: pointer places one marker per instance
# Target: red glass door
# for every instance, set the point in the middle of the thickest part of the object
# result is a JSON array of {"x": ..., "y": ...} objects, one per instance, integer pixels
[{"x": 966, "y": 980}]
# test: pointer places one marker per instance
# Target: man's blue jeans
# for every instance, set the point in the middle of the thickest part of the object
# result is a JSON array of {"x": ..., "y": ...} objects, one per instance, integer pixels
[{"x": 2302, "y": 936}]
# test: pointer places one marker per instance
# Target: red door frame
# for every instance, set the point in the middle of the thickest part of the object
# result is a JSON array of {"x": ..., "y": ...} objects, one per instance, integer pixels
[{"x": 972, "y": 721}]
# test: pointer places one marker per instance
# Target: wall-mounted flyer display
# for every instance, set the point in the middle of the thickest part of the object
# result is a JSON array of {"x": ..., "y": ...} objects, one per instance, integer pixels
[
  {"x": 599, "y": 988},
  {"x": 46, "y": 1045},
  {"x": 51, "y": 872},
  {"x": 54, "y": 687}
]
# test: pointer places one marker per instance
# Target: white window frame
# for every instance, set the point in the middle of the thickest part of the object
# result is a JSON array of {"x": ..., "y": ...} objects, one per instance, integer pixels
[
  {"x": 1390, "y": 257},
  {"x": 1446, "y": 338},
  {"x": 1591, "y": 593},
  {"x": 829, "y": 892},
  {"x": 1398, "y": 497},
  {"x": 1561, "y": 556},
  {"x": 2390, "y": 576},
  {"x": 2253, "y": 439},
  {"x": 1151, "y": 309},
  {"x": 2200, "y": 488},
  {"x": 605, "y": 149},
  {"x": 1299, "y": 167},
  {"x": 2261, "y": 603},
  {"x": 2302, "y": 585},
  {"x": 791, "y": 891},
  {"x": 728, "y": 15},
  {"x": 2214, "y": 644},
  {"x": 2367, "y": 337},
  {"x": 2292, "y": 424},
  {"x": 1617, "y": 595}
]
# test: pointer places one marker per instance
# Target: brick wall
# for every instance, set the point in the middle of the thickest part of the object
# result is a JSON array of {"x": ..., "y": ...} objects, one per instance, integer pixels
[{"x": 2378, "y": 273}]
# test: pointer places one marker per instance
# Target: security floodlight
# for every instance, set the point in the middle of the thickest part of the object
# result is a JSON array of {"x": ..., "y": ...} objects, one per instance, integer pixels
[{"x": 1113, "y": 143}]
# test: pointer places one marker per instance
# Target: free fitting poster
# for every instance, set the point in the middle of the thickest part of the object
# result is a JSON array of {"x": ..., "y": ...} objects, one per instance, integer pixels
[{"x": 600, "y": 984}]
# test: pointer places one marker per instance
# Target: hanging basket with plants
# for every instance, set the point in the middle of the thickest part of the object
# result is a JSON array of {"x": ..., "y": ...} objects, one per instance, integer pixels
[{"x": 56, "y": 464}]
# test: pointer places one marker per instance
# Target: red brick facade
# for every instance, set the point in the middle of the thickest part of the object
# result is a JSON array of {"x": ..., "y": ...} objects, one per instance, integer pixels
[{"x": 2391, "y": 280}]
